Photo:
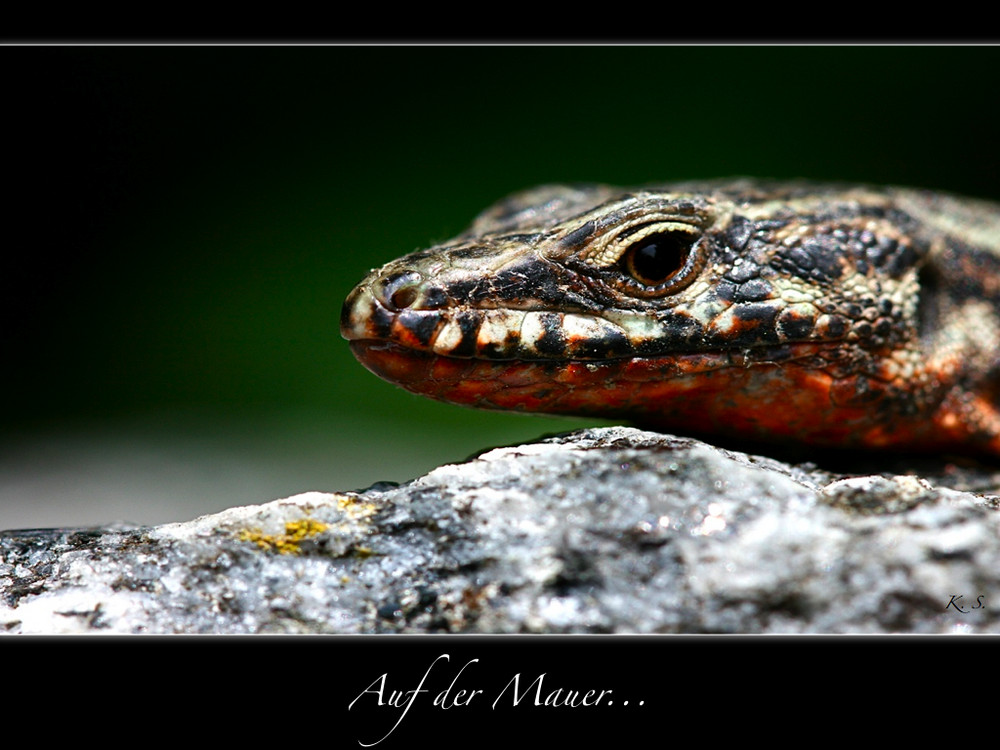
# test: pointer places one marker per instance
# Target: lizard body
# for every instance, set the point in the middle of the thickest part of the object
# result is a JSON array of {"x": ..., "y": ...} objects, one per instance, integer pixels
[{"x": 788, "y": 312}]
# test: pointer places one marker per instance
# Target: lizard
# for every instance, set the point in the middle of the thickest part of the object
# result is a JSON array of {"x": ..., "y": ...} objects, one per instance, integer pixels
[{"x": 817, "y": 314}]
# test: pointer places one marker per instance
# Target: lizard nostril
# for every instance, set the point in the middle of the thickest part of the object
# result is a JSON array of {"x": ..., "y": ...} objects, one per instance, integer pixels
[
  {"x": 400, "y": 290},
  {"x": 404, "y": 297}
]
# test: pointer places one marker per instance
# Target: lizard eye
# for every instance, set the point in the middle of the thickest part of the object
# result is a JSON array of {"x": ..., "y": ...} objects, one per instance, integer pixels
[
  {"x": 659, "y": 261},
  {"x": 658, "y": 258}
]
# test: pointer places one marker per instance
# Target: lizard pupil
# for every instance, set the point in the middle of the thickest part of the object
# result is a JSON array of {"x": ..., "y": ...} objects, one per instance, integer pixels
[{"x": 655, "y": 259}]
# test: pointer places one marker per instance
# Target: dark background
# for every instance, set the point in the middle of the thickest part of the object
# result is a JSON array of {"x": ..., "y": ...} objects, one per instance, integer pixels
[{"x": 182, "y": 224}]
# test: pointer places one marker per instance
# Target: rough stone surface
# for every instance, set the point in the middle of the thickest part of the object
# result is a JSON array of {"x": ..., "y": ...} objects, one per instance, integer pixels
[{"x": 610, "y": 530}]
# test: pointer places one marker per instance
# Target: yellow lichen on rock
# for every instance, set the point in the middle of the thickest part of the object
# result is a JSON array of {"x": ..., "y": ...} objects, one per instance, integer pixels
[
  {"x": 354, "y": 508},
  {"x": 287, "y": 543}
]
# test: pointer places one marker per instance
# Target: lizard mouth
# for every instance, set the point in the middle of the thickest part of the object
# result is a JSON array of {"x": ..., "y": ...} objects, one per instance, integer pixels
[
  {"x": 491, "y": 333},
  {"x": 521, "y": 360},
  {"x": 372, "y": 318},
  {"x": 553, "y": 362}
]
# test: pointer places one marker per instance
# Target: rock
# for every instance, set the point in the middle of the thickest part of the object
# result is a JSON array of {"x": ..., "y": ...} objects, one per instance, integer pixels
[{"x": 609, "y": 530}]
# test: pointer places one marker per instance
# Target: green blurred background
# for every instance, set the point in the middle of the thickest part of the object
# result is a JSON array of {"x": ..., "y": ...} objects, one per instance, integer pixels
[{"x": 183, "y": 223}]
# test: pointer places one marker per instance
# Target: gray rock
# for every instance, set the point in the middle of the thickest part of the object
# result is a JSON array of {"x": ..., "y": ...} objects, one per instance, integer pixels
[{"x": 610, "y": 530}]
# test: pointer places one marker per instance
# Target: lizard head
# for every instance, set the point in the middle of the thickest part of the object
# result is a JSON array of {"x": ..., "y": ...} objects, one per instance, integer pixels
[{"x": 659, "y": 304}]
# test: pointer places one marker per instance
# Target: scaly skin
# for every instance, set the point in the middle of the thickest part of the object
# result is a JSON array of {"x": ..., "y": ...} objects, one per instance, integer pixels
[{"x": 824, "y": 315}]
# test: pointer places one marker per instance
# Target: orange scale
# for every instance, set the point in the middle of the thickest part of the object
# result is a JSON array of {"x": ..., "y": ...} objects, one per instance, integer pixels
[
  {"x": 582, "y": 374},
  {"x": 391, "y": 363},
  {"x": 450, "y": 369},
  {"x": 469, "y": 392},
  {"x": 530, "y": 398},
  {"x": 515, "y": 374}
]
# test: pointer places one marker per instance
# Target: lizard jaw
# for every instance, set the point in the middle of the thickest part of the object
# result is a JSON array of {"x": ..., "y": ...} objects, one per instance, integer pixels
[{"x": 701, "y": 393}]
